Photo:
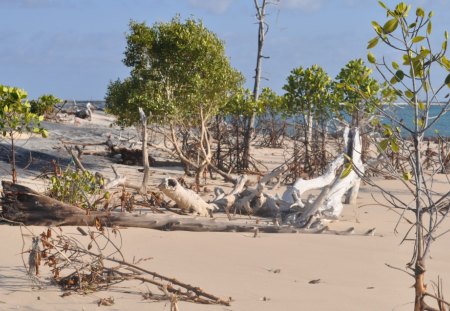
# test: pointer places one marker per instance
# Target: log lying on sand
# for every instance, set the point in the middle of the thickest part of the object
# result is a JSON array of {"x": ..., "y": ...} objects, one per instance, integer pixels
[{"x": 23, "y": 205}]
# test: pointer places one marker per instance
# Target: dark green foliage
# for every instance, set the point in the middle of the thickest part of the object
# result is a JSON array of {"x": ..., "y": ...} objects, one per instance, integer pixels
[{"x": 177, "y": 68}]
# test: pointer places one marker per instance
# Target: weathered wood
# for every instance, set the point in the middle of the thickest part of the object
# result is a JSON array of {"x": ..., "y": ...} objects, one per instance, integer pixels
[
  {"x": 22, "y": 204},
  {"x": 293, "y": 194},
  {"x": 185, "y": 199},
  {"x": 145, "y": 162}
]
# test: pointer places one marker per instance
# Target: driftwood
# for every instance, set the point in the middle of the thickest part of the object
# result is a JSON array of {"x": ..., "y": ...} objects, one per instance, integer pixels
[
  {"x": 334, "y": 188},
  {"x": 185, "y": 199},
  {"x": 23, "y": 205},
  {"x": 256, "y": 201}
]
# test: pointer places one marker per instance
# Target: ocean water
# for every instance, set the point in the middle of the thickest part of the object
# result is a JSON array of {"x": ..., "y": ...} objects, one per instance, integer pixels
[
  {"x": 402, "y": 112},
  {"x": 406, "y": 114}
]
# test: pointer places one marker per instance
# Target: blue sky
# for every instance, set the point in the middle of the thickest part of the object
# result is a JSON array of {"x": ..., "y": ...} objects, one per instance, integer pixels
[{"x": 73, "y": 48}]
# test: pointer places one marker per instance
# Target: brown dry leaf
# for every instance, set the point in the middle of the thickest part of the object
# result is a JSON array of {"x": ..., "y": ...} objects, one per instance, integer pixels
[{"x": 98, "y": 224}]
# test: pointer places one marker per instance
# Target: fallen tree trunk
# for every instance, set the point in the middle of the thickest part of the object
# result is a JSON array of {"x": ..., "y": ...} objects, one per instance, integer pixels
[{"x": 23, "y": 205}]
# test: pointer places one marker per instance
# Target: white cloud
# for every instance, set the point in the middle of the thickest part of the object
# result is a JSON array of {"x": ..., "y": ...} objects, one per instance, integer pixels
[
  {"x": 304, "y": 5},
  {"x": 213, "y": 6}
]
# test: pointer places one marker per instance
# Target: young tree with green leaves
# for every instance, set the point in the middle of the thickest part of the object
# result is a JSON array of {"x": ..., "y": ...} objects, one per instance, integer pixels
[
  {"x": 358, "y": 91},
  {"x": 16, "y": 118},
  {"x": 309, "y": 94},
  {"x": 181, "y": 77},
  {"x": 361, "y": 97},
  {"x": 416, "y": 82}
]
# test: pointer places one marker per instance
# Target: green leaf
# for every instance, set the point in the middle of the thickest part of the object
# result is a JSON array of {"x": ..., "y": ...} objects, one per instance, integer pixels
[
  {"x": 371, "y": 58},
  {"x": 382, "y": 5},
  {"x": 377, "y": 27},
  {"x": 424, "y": 53},
  {"x": 409, "y": 94},
  {"x": 420, "y": 12},
  {"x": 372, "y": 43},
  {"x": 445, "y": 62},
  {"x": 418, "y": 39},
  {"x": 390, "y": 26},
  {"x": 400, "y": 75},
  {"x": 383, "y": 144},
  {"x": 429, "y": 28},
  {"x": 447, "y": 80},
  {"x": 421, "y": 105},
  {"x": 44, "y": 133},
  {"x": 407, "y": 176},
  {"x": 387, "y": 130},
  {"x": 446, "y": 35},
  {"x": 393, "y": 80},
  {"x": 395, "y": 65},
  {"x": 420, "y": 122},
  {"x": 347, "y": 170},
  {"x": 394, "y": 146}
]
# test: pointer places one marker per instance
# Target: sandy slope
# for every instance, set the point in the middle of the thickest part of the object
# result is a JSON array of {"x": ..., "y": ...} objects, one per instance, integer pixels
[{"x": 351, "y": 268}]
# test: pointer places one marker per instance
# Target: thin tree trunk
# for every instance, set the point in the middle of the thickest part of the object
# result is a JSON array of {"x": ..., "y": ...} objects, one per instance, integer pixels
[
  {"x": 250, "y": 126},
  {"x": 144, "y": 152},
  {"x": 419, "y": 266},
  {"x": 13, "y": 163},
  {"x": 308, "y": 140}
]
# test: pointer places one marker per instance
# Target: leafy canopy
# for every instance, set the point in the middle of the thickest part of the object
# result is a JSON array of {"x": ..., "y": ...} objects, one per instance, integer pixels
[
  {"x": 15, "y": 114},
  {"x": 177, "y": 68},
  {"x": 309, "y": 90},
  {"x": 410, "y": 35},
  {"x": 358, "y": 90}
]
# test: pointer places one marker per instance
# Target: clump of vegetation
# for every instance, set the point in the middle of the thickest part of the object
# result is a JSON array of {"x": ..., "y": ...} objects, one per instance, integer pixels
[
  {"x": 44, "y": 105},
  {"x": 79, "y": 188},
  {"x": 17, "y": 118}
]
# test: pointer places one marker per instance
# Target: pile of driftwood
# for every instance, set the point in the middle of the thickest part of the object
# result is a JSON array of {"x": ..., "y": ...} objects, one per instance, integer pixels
[{"x": 288, "y": 211}]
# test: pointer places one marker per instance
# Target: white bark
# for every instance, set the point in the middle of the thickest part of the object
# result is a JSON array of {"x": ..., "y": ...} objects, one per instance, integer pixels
[
  {"x": 329, "y": 201},
  {"x": 294, "y": 193},
  {"x": 333, "y": 203},
  {"x": 145, "y": 163},
  {"x": 185, "y": 199}
]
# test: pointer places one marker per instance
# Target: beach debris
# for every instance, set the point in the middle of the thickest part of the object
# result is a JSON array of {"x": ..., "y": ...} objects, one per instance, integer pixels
[
  {"x": 315, "y": 281},
  {"x": 84, "y": 113},
  {"x": 105, "y": 301},
  {"x": 370, "y": 232},
  {"x": 95, "y": 262}
]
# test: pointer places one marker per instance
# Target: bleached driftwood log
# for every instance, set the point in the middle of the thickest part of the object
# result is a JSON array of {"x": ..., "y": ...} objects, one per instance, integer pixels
[
  {"x": 257, "y": 202},
  {"x": 293, "y": 194},
  {"x": 333, "y": 203},
  {"x": 185, "y": 199},
  {"x": 329, "y": 201}
]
